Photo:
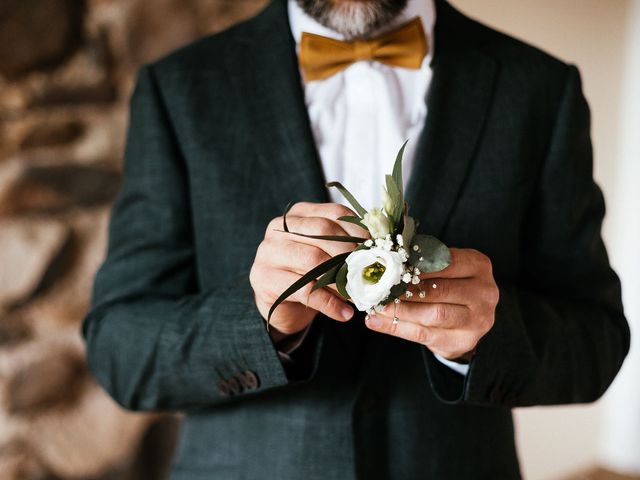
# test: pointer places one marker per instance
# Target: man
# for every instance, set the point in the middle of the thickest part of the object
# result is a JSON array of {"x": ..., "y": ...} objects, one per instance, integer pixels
[{"x": 225, "y": 132}]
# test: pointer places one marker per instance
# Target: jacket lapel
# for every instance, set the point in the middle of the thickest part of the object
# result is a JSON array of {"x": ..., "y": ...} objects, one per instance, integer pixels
[
  {"x": 264, "y": 70},
  {"x": 458, "y": 100}
]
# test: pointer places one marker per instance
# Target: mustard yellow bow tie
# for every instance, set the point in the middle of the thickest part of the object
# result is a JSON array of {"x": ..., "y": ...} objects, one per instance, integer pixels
[{"x": 320, "y": 57}]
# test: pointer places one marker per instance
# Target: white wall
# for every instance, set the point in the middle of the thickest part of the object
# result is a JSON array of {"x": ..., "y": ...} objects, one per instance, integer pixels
[
  {"x": 595, "y": 35},
  {"x": 620, "y": 437}
]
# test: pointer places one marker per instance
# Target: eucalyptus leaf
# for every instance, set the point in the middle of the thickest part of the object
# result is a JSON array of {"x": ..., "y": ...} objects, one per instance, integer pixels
[
  {"x": 353, "y": 219},
  {"x": 306, "y": 278},
  {"x": 397, "y": 168},
  {"x": 341, "y": 281},
  {"x": 350, "y": 198},
  {"x": 434, "y": 254},
  {"x": 396, "y": 292},
  {"x": 396, "y": 198},
  {"x": 408, "y": 232},
  {"x": 334, "y": 238},
  {"x": 326, "y": 279}
]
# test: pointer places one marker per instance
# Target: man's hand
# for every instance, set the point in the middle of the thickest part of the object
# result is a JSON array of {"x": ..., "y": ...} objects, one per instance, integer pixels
[
  {"x": 457, "y": 311},
  {"x": 282, "y": 258}
]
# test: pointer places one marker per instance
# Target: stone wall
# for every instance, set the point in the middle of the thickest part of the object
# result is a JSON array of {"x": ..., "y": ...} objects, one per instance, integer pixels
[{"x": 66, "y": 73}]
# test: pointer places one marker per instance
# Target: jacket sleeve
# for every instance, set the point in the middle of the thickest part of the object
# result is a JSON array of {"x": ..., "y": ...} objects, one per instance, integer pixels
[
  {"x": 560, "y": 335},
  {"x": 156, "y": 341}
]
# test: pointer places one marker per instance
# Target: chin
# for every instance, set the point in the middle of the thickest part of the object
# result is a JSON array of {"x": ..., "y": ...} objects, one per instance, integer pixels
[{"x": 353, "y": 18}]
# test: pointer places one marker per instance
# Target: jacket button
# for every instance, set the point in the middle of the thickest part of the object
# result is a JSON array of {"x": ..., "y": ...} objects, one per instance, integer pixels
[
  {"x": 223, "y": 388},
  {"x": 249, "y": 379},
  {"x": 234, "y": 385}
]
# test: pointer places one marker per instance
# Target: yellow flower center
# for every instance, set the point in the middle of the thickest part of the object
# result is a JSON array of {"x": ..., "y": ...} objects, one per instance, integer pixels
[{"x": 373, "y": 273}]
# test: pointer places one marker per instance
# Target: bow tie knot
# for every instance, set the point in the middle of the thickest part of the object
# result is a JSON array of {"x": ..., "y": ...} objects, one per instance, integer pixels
[{"x": 320, "y": 57}]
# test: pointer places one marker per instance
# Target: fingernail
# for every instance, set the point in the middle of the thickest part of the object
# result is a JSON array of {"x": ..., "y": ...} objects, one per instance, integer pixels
[
  {"x": 375, "y": 321},
  {"x": 347, "y": 312}
]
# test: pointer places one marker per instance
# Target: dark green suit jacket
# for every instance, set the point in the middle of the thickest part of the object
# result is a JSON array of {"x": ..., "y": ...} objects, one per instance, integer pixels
[{"x": 219, "y": 142}]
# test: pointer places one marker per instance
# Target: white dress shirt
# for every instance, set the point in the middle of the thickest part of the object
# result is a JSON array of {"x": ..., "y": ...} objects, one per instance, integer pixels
[{"x": 361, "y": 116}]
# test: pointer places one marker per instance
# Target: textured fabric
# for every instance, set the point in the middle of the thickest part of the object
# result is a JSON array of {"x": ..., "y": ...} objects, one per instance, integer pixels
[
  {"x": 363, "y": 114},
  {"x": 320, "y": 57},
  {"x": 217, "y": 148}
]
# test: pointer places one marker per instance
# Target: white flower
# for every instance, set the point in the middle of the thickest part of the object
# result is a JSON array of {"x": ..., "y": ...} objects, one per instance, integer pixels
[
  {"x": 378, "y": 224},
  {"x": 371, "y": 274},
  {"x": 387, "y": 203},
  {"x": 406, "y": 278},
  {"x": 368, "y": 243}
]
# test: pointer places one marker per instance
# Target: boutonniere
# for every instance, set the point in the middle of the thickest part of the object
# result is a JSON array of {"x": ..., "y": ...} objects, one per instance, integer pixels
[{"x": 381, "y": 268}]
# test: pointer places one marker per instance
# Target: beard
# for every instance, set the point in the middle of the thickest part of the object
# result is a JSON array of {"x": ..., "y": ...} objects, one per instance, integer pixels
[{"x": 355, "y": 19}]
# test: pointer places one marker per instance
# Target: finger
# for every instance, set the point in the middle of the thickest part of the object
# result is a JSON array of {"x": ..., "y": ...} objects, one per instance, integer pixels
[
  {"x": 321, "y": 300},
  {"x": 314, "y": 209},
  {"x": 465, "y": 263},
  {"x": 447, "y": 343},
  {"x": 440, "y": 315},
  {"x": 316, "y": 226},
  {"x": 296, "y": 257},
  {"x": 460, "y": 291},
  {"x": 332, "y": 211}
]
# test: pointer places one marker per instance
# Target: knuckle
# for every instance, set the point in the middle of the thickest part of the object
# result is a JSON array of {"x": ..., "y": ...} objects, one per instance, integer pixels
[
  {"x": 338, "y": 210},
  {"x": 265, "y": 252},
  {"x": 331, "y": 303},
  {"x": 487, "y": 322},
  {"x": 490, "y": 297},
  {"x": 257, "y": 276},
  {"x": 443, "y": 290},
  {"x": 253, "y": 275},
  {"x": 273, "y": 224},
  {"x": 422, "y": 335},
  {"x": 300, "y": 207},
  {"x": 305, "y": 291},
  {"x": 482, "y": 259},
  {"x": 439, "y": 313},
  {"x": 494, "y": 296},
  {"x": 328, "y": 227},
  {"x": 314, "y": 257},
  {"x": 467, "y": 343}
]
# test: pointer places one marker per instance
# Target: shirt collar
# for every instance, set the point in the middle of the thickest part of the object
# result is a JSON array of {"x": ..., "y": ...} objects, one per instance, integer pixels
[{"x": 300, "y": 22}]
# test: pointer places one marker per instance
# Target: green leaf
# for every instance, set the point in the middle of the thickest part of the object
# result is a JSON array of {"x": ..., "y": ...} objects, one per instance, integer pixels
[
  {"x": 408, "y": 232},
  {"x": 350, "y": 198},
  {"x": 397, "y": 168},
  {"x": 341, "y": 281},
  {"x": 334, "y": 238},
  {"x": 435, "y": 254},
  {"x": 396, "y": 198},
  {"x": 306, "y": 278},
  {"x": 352, "y": 219},
  {"x": 326, "y": 279},
  {"x": 396, "y": 292}
]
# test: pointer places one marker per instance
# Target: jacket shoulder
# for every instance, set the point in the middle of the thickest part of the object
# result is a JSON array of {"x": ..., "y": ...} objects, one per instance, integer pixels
[
  {"x": 513, "y": 54},
  {"x": 207, "y": 50}
]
